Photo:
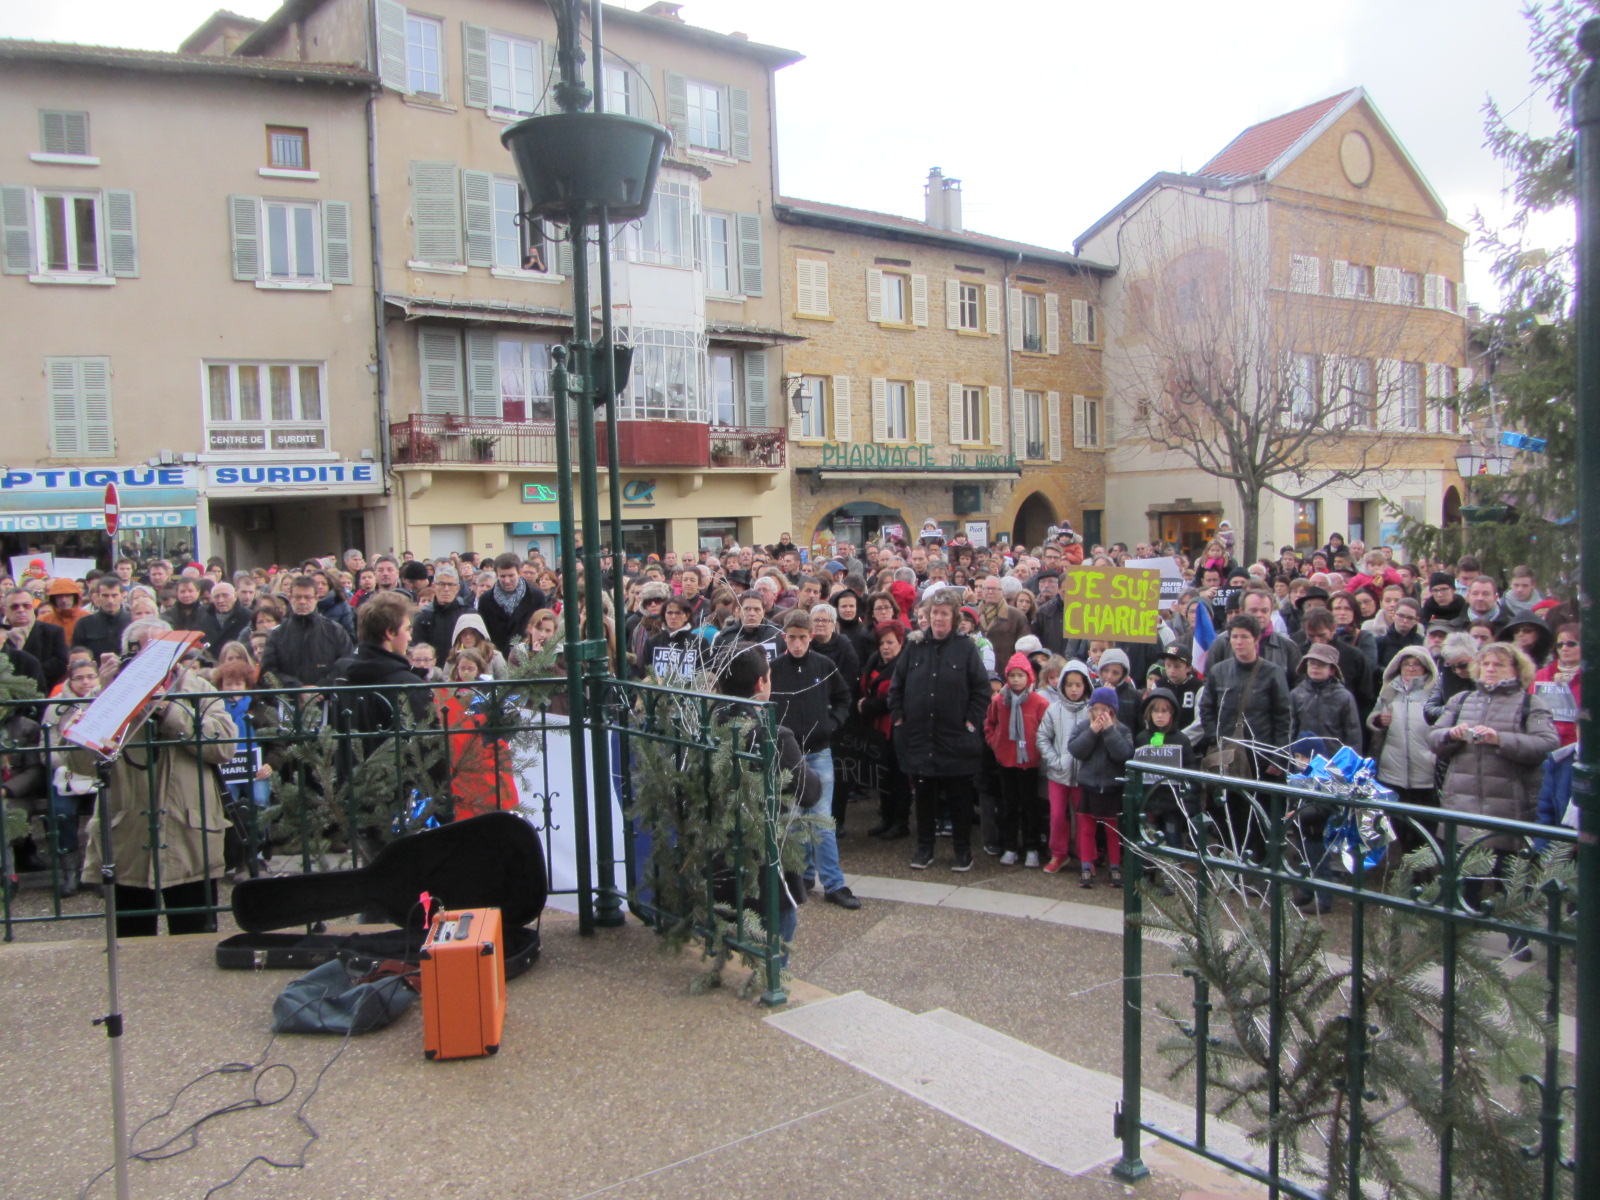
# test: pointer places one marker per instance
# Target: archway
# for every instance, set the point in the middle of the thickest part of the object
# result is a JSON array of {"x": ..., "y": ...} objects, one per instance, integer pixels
[
  {"x": 857, "y": 522},
  {"x": 1034, "y": 517},
  {"x": 1452, "y": 507}
]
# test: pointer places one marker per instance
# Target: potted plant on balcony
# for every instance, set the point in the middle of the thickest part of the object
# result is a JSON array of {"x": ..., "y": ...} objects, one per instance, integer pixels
[
  {"x": 481, "y": 446},
  {"x": 723, "y": 453},
  {"x": 763, "y": 447},
  {"x": 415, "y": 447}
]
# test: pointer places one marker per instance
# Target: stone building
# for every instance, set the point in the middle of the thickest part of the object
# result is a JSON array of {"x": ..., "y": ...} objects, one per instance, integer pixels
[
  {"x": 1310, "y": 268},
  {"x": 945, "y": 375}
]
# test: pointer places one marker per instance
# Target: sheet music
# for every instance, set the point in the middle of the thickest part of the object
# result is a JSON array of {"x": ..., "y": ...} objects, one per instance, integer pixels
[{"x": 108, "y": 718}]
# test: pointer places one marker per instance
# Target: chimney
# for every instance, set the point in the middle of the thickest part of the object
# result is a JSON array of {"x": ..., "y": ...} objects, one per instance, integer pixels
[
  {"x": 665, "y": 10},
  {"x": 942, "y": 201}
]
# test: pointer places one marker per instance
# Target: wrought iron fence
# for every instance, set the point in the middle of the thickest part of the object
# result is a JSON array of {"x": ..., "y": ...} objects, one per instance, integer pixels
[
  {"x": 1343, "y": 1032},
  {"x": 449, "y": 439},
  {"x": 748, "y": 445}
]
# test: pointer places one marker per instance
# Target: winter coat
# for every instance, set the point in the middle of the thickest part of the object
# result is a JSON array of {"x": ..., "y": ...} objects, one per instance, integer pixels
[
  {"x": 47, "y": 644},
  {"x": 479, "y": 764},
  {"x": 1275, "y": 648},
  {"x": 1057, "y": 727},
  {"x": 1100, "y": 760},
  {"x": 1447, "y": 687},
  {"x": 1544, "y": 675},
  {"x": 811, "y": 697},
  {"x": 192, "y": 618},
  {"x": 673, "y": 655},
  {"x": 301, "y": 651},
  {"x": 860, "y": 638},
  {"x": 337, "y": 608},
  {"x": 1495, "y": 780},
  {"x": 1266, "y": 710},
  {"x": 435, "y": 624},
  {"x": 736, "y": 638},
  {"x": 188, "y": 799},
  {"x": 1405, "y": 760},
  {"x": 1555, "y": 792},
  {"x": 1163, "y": 798},
  {"x": 939, "y": 695},
  {"x": 374, "y": 711},
  {"x": 874, "y": 707},
  {"x": 1363, "y": 642},
  {"x": 502, "y": 626},
  {"x": 102, "y": 634},
  {"x": 842, "y": 655},
  {"x": 1003, "y": 630},
  {"x": 997, "y": 728},
  {"x": 1324, "y": 708},
  {"x": 1393, "y": 641},
  {"x": 231, "y": 626}
]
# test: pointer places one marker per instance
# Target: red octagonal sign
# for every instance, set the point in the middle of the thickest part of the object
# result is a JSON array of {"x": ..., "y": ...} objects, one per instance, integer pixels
[{"x": 111, "y": 510}]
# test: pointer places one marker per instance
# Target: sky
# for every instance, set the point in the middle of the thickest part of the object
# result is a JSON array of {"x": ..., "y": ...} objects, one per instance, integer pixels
[{"x": 1049, "y": 112}]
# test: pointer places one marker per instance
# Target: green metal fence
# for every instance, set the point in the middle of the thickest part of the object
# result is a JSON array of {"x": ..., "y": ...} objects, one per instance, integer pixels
[{"x": 1377, "y": 1036}]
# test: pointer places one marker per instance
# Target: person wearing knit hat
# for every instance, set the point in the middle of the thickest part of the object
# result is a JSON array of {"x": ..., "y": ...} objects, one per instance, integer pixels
[
  {"x": 1116, "y": 674},
  {"x": 1443, "y": 603},
  {"x": 1102, "y": 745},
  {"x": 1011, "y": 727}
]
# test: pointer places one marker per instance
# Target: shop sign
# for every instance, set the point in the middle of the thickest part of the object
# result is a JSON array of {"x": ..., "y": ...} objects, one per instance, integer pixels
[
  {"x": 639, "y": 493},
  {"x": 345, "y": 476},
  {"x": 69, "y": 522},
  {"x": 225, "y": 441},
  {"x": 538, "y": 493},
  {"x": 73, "y": 500},
  {"x": 978, "y": 533},
  {"x": 869, "y": 456},
  {"x": 77, "y": 478}
]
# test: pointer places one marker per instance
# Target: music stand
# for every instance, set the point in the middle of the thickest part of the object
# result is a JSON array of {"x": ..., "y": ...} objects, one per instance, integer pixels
[{"x": 104, "y": 728}]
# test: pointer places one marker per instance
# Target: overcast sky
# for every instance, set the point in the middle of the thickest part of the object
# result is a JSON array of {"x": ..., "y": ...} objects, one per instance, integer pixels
[{"x": 1049, "y": 113}]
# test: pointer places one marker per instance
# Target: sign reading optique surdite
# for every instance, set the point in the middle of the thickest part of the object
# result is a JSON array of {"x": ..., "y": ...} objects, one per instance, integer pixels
[{"x": 868, "y": 456}]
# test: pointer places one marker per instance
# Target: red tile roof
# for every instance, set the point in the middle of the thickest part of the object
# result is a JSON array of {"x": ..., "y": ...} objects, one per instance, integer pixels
[
  {"x": 17, "y": 50},
  {"x": 1261, "y": 145}
]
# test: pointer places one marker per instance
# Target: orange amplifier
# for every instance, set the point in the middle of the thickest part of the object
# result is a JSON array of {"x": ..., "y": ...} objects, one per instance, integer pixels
[{"x": 463, "y": 984}]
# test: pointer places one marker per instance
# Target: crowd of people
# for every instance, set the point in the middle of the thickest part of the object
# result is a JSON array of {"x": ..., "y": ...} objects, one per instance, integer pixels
[{"x": 936, "y": 677}]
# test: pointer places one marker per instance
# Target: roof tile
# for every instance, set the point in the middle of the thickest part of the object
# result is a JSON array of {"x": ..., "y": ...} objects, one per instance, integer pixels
[{"x": 1261, "y": 145}]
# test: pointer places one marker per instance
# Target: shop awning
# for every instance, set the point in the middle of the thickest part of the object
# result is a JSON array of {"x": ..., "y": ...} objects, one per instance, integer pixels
[
  {"x": 494, "y": 312},
  {"x": 742, "y": 334},
  {"x": 867, "y": 508}
]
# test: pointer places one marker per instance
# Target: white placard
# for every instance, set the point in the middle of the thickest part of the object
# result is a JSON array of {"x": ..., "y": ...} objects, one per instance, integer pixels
[
  {"x": 19, "y": 564},
  {"x": 552, "y": 771}
]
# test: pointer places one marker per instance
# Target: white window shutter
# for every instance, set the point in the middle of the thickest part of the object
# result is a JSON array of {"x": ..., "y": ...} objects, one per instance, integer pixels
[
  {"x": 757, "y": 407},
  {"x": 1108, "y": 425},
  {"x": 997, "y": 397},
  {"x": 1078, "y": 430},
  {"x": 739, "y": 124},
  {"x": 1054, "y": 401},
  {"x": 1339, "y": 277},
  {"x": 1333, "y": 381},
  {"x": 564, "y": 257},
  {"x": 475, "y": 50},
  {"x": 804, "y": 289},
  {"x": 436, "y": 212},
  {"x": 1019, "y": 425},
  {"x": 919, "y": 299},
  {"x": 991, "y": 307},
  {"x": 880, "y": 410},
  {"x": 678, "y": 110},
  {"x": 66, "y": 430},
  {"x": 752, "y": 277},
  {"x": 1461, "y": 296},
  {"x": 957, "y": 432},
  {"x": 552, "y": 72},
  {"x": 95, "y": 378},
  {"x": 952, "y": 304},
  {"x": 477, "y": 203},
  {"x": 483, "y": 376},
  {"x": 1388, "y": 382},
  {"x": 1014, "y": 300},
  {"x": 1080, "y": 322},
  {"x": 391, "y": 46},
  {"x": 1463, "y": 379},
  {"x": 1052, "y": 323},
  {"x": 63, "y": 132},
  {"x": 122, "y": 234},
  {"x": 1386, "y": 285},
  {"x": 819, "y": 284},
  {"x": 922, "y": 424},
  {"x": 874, "y": 294},
  {"x": 796, "y": 417},
  {"x": 16, "y": 222},
  {"x": 337, "y": 262},
  {"x": 439, "y": 350},
  {"x": 841, "y": 407},
  {"x": 1432, "y": 291},
  {"x": 244, "y": 219}
]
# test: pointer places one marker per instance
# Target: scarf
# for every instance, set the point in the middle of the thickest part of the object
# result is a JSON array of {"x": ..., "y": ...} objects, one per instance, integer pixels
[
  {"x": 508, "y": 601},
  {"x": 1017, "y": 731}
]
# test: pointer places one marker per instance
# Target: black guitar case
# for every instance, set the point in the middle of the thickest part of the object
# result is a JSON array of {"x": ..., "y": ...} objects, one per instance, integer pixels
[{"x": 489, "y": 861}]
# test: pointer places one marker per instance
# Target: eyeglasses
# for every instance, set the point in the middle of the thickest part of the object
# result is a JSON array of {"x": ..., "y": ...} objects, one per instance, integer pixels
[
  {"x": 1460, "y": 666},
  {"x": 24, "y": 606},
  {"x": 1565, "y": 645}
]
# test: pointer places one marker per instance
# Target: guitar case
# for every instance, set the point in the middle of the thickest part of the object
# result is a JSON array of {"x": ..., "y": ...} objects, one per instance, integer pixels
[{"x": 489, "y": 861}]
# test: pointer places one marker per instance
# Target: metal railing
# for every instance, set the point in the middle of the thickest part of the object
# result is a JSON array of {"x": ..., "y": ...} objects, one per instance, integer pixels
[
  {"x": 1323, "y": 1053},
  {"x": 749, "y": 446},
  {"x": 424, "y": 438}
]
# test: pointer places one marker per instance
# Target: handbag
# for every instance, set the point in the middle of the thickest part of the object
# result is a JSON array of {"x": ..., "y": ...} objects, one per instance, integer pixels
[{"x": 1234, "y": 761}]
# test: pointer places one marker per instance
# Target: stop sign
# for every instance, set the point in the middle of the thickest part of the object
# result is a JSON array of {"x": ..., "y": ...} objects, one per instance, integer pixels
[{"x": 111, "y": 510}]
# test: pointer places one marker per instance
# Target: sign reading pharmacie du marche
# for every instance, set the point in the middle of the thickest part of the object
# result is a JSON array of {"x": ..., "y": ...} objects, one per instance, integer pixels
[{"x": 868, "y": 455}]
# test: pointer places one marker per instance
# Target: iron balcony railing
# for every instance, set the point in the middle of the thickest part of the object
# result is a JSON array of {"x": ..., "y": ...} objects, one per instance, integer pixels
[{"x": 424, "y": 439}]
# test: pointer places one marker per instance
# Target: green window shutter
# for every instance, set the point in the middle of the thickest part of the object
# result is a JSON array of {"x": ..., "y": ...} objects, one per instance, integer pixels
[
  {"x": 678, "y": 111},
  {"x": 66, "y": 425},
  {"x": 122, "y": 234},
  {"x": 751, "y": 276},
  {"x": 739, "y": 124},
  {"x": 436, "y": 212},
  {"x": 439, "y": 350},
  {"x": 475, "y": 49},
  {"x": 336, "y": 261},
  {"x": 483, "y": 376},
  {"x": 16, "y": 226},
  {"x": 94, "y": 376},
  {"x": 756, "y": 409},
  {"x": 477, "y": 199},
  {"x": 244, "y": 218},
  {"x": 392, "y": 45}
]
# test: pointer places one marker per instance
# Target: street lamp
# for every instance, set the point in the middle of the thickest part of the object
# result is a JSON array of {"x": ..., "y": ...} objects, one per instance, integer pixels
[{"x": 1475, "y": 458}]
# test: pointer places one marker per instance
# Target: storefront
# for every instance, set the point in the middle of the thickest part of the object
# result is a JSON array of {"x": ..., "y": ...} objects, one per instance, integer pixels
[
  {"x": 62, "y": 512},
  {"x": 265, "y": 512}
]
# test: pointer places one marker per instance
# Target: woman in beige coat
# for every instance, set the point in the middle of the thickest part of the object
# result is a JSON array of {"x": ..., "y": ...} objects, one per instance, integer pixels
[{"x": 187, "y": 795}]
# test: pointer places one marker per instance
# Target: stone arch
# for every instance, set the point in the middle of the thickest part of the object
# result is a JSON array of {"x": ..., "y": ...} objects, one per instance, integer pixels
[
  {"x": 1034, "y": 514},
  {"x": 1450, "y": 512}
]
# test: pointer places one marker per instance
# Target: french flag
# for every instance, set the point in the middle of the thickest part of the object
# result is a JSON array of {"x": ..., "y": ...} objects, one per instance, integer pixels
[{"x": 1204, "y": 634}]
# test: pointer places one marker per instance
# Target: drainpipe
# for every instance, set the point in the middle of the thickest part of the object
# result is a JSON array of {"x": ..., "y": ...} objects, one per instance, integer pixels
[
  {"x": 1005, "y": 325},
  {"x": 375, "y": 227}
]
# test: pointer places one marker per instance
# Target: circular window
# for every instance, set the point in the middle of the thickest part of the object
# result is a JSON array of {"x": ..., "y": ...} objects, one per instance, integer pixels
[{"x": 1355, "y": 156}]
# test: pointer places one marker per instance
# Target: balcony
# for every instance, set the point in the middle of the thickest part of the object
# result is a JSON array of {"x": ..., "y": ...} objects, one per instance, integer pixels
[{"x": 426, "y": 440}]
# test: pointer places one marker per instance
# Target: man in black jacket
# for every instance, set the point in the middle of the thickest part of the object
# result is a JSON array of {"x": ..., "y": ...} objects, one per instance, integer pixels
[
  {"x": 101, "y": 630},
  {"x": 506, "y": 607},
  {"x": 25, "y": 632},
  {"x": 230, "y": 621},
  {"x": 435, "y": 622},
  {"x": 301, "y": 650},
  {"x": 751, "y": 629},
  {"x": 938, "y": 698},
  {"x": 813, "y": 701},
  {"x": 1246, "y": 697},
  {"x": 187, "y": 613}
]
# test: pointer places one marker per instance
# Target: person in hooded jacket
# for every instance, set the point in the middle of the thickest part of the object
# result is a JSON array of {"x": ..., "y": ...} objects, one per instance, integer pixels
[
  {"x": 852, "y": 627},
  {"x": 1161, "y": 739},
  {"x": 472, "y": 634},
  {"x": 1320, "y": 706},
  {"x": 331, "y": 601},
  {"x": 1399, "y": 742},
  {"x": 1011, "y": 727},
  {"x": 63, "y": 605},
  {"x": 1056, "y": 729},
  {"x": 894, "y": 788},
  {"x": 1115, "y": 673},
  {"x": 1101, "y": 745},
  {"x": 673, "y": 655}
]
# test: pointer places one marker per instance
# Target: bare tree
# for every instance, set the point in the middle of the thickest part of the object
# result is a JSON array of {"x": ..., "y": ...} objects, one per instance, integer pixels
[{"x": 1260, "y": 372}]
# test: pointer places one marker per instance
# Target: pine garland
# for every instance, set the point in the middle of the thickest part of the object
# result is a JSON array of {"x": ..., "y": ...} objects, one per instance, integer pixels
[{"x": 14, "y": 822}]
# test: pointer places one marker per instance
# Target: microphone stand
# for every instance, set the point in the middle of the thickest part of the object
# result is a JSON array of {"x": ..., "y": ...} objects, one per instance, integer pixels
[{"x": 113, "y": 1018}]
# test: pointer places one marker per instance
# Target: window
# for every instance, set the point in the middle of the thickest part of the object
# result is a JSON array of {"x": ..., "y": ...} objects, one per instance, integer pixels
[
  {"x": 971, "y": 429},
  {"x": 514, "y": 74},
  {"x": 1442, "y": 402},
  {"x": 811, "y": 286},
  {"x": 519, "y": 242},
  {"x": 288, "y": 149},
  {"x": 1305, "y": 273},
  {"x": 723, "y": 384},
  {"x": 424, "y": 62},
  {"x": 64, "y": 132},
  {"x": 1085, "y": 323},
  {"x": 265, "y": 407},
  {"x": 60, "y": 235},
  {"x": 69, "y": 226},
  {"x": 1359, "y": 281},
  {"x": 1303, "y": 388},
  {"x": 292, "y": 240},
  {"x": 1448, "y": 294},
  {"x": 1033, "y": 423},
  {"x": 894, "y": 299},
  {"x": 1359, "y": 395},
  {"x": 1032, "y": 322},
  {"x": 1410, "y": 288},
  {"x": 706, "y": 105},
  {"x": 813, "y": 415},
  {"x": 621, "y": 89},
  {"x": 665, "y": 234},
  {"x": 1087, "y": 427},
  {"x": 718, "y": 253},
  {"x": 80, "y": 407},
  {"x": 525, "y": 392},
  {"x": 897, "y": 411},
  {"x": 1409, "y": 406},
  {"x": 666, "y": 382},
  {"x": 968, "y": 306}
]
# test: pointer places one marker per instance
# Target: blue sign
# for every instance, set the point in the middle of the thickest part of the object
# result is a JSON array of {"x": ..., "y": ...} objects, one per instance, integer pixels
[{"x": 639, "y": 493}]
